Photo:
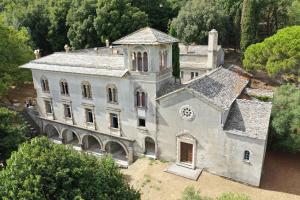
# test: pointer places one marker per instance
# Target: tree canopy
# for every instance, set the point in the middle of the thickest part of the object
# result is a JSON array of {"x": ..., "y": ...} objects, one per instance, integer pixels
[
  {"x": 14, "y": 51},
  {"x": 117, "y": 18},
  {"x": 44, "y": 170},
  {"x": 197, "y": 18},
  {"x": 286, "y": 118},
  {"x": 12, "y": 132},
  {"x": 279, "y": 54}
]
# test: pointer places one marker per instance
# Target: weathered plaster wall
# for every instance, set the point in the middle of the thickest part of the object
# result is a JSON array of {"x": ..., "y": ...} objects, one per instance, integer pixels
[{"x": 217, "y": 152}]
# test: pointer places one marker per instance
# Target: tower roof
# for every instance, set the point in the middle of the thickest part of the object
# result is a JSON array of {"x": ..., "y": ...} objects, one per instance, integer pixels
[{"x": 147, "y": 35}]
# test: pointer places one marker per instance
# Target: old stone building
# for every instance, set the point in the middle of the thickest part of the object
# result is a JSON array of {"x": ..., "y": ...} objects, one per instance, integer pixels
[
  {"x": 123, "y": 100},
  {"x": 196, "y": 60}
]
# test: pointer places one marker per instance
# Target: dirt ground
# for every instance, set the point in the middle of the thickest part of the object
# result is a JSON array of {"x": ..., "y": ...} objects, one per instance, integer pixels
[
  {"x": 18, "y": 95},
  {"x": 281, "y": 180}
]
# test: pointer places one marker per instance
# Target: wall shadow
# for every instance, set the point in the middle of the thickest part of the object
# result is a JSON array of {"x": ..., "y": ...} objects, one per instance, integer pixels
[{"x": 281, "y": 172}]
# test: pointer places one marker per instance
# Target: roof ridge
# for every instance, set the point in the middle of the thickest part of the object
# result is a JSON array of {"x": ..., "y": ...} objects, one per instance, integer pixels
[{"x": 130, "y": 34}]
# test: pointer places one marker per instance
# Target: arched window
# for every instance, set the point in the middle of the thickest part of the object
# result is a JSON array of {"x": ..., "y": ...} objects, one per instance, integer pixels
[
  {"x": 64, "y": 89},
  {"x": 246, "y": 155},
  {"x": 139, "y": 61},
  {"x": 86, "y": 90},
  {"x": 140, "y": 99},
  {"x": 145, "y": 61},
  {"x": 45, "y": 84},
  {"x": 112, "y": 94},
  {"x": 134, "y": 61}
]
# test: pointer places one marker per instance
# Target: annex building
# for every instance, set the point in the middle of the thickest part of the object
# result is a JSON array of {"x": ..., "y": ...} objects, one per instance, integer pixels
[{"x": 123, "y": 100}]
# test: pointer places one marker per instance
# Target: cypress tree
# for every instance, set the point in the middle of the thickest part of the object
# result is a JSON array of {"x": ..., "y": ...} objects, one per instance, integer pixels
[
  {"x": 248, "y": 24},
  {"x": 175, "y": 60},
  {"x": 175, "y": 54}
]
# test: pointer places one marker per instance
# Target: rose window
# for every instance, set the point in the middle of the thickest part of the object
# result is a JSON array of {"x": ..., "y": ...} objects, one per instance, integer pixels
[{"x": 186, "y": 112}]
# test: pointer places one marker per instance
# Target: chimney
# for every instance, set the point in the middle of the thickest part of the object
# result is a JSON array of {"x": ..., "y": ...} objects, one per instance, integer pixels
[
  {"x": 212, "y": 48},
  {"x": 37, "y": 53},
  {"x": 67, "y": 48},
  {"x": 107, "y": 43}
]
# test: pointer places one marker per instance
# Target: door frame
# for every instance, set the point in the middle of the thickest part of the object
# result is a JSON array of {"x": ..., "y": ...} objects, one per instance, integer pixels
[{"x": 186, "y": 138}]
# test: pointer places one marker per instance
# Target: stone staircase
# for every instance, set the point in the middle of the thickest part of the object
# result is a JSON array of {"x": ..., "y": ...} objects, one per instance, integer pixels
[{"x": 34, "y": 129}]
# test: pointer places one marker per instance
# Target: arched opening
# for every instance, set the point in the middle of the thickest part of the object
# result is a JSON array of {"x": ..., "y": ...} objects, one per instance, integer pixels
[
  {"x": 64, "y": 89},
  {"x": 51, "y": 132},
  {"x": 90, "y": 143},
  {"x": 149, "y": 146},
  {"x": 45, "y": 84},
  {"x": 116, "y": 150},
  {"x": 139, "y": 61},
  {"x": 145, "y": 61},
  {"x": 70, "y": 137},
  {"x": 134, "y": 61},
  {"x": 140, "y": 99}
]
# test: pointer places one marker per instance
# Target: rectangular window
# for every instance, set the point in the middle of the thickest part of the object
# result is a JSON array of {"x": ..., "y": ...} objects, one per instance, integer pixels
[
  {"x": 192, "y": 75},
  {"x": 67, "y": 111},
  {"x": 89, "y": 115},
  {"x": 48, "y": 107},
  {"x": 181, "y": 74},
  {"x": 196, "y": 74},
  {"x": 142, "y": 122},
  {"x": 114, "y": 120}
]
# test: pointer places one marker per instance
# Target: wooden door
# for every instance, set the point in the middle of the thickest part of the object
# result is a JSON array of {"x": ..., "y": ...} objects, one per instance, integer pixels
[{"x": 186, "y": 152}]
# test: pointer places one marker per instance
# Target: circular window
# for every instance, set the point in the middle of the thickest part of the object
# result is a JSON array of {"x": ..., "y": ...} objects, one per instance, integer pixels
[{"x": 186, "y": 112}]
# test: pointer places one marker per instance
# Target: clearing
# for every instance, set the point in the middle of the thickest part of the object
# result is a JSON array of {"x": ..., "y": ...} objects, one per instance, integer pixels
[{"x": 281, "y": 174}]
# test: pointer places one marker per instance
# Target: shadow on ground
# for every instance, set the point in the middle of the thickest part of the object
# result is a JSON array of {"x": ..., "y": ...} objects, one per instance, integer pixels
[{"x": 281, "y": 173}]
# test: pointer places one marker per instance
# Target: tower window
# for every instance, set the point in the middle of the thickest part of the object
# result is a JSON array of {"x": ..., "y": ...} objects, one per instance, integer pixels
[
  {"x": 139, "y": 61},
  {"x": 246, "y": 155},
  {"x": 140, "y": 99}
]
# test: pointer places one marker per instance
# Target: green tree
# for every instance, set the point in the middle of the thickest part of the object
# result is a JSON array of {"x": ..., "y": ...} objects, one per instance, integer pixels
[
  {"x": 279, "y": 55},
  {"x": 33, "y": 15},
  {"x": 44, "y": 170},
  {"x": 294, "y": 13},
  {"x": 159, "y": 12},
  {"x": 286, "y": 118},
  {"x": 80, "y": 19},
  {"x": 175, "y": 56},
  {"x": 197, "y": 18},
  {"x": 12, "y": 132},
  {"x": 249, "y": 23},
  {"x": 58, "y": 29},
  {"x": 117, "y": 18},
  {"x": 14, "y": 51},
  {"x": 274, "y": 14},
  {"x": 233, "y": 8}
]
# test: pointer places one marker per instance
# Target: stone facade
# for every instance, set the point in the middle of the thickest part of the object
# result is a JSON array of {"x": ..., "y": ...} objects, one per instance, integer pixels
[{"x": 124, "y": 101}]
